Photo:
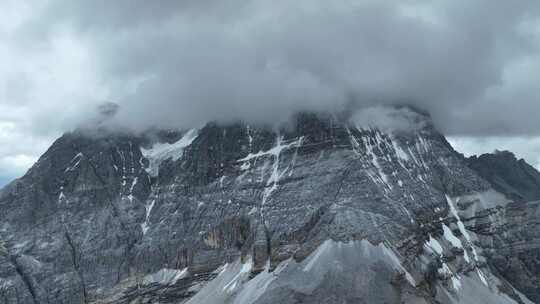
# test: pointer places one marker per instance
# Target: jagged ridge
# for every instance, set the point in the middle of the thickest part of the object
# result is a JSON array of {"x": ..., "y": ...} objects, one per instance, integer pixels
[{"x": 92, "y": 215}]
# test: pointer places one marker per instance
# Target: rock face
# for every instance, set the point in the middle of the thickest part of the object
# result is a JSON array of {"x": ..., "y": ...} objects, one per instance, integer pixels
[
  {"x": 517, "y": 179},
  {"x": 325, "y": 210},
  {"x": 514, "y": 249}
]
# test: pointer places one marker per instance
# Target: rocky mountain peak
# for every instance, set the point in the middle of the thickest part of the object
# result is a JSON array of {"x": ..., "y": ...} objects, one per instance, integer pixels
[
  {"x": 231, "y": 213},
  {"x": 507, "y": 174}
]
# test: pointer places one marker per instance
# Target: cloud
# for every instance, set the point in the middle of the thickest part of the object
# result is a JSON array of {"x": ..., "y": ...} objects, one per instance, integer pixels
[
  {"x": 472, "y": 63},
  {"x": 523, "y": 147},
  {"x": 390, "y": 118},
  {"x": 180, "y": 63},
  {"x": 18, "y": 150}
]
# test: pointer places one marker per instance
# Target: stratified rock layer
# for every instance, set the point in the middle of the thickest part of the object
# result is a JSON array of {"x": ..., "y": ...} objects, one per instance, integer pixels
[
  {"x": 508, "y": 175},
  {"x": 379, "y": 215}
]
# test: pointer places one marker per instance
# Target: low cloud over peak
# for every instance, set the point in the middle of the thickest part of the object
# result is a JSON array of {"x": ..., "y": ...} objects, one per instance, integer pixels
[
  {"x": 185, "y": 62},
  {"x": 472, "y": 64}
]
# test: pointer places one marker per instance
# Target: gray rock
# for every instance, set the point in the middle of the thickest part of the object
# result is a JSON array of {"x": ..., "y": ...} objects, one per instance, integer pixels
[
  {"x": 515, "y": 178},
  {"x": 101, "y": 210}
]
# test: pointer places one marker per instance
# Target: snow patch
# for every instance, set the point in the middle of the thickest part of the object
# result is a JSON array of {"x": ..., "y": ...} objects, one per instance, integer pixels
[
  {"x": 166, "y": 276},
  {"x": 400, "y": 153},
  {"x": 397, "y": 264},
  {"x": 461, "y": 226},
  {"x": 467, "y": 237},
  {"x": 433, "y": 245},
  {"x": 275, "y": 174},
  {"x": 77, "y": 159},
  {"x": 242, "y": 274},
  {"x": 146, "y": 225},
  {"x": 160, "y": 152},
  {"x": 456, "y": 282},
  {"x": 456, "y": 242}
]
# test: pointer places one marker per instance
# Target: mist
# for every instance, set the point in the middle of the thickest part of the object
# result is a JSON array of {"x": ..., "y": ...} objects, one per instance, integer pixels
[{"x": 469, "y": 63}]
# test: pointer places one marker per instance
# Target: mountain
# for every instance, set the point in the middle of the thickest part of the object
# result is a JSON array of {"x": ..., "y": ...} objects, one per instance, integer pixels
[
  {"x": 325, "y": 209},
  {"x": 508, "y": 175}
]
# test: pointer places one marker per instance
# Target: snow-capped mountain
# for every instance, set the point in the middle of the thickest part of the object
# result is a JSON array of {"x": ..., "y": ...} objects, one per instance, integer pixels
[{"x": 325, "y": 210}]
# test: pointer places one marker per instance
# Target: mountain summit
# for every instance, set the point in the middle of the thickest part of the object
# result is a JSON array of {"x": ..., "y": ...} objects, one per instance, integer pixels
[{"x": 375, "y": 208}]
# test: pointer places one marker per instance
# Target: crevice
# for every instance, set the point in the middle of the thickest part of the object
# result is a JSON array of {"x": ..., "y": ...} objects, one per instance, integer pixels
[
  {"x": 27, "y": 280},
  {"x": 76, "y": 259}
]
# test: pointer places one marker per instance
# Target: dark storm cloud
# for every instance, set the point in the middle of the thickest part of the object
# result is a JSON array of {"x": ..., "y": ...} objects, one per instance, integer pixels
[{"x": 472, "y": 64}]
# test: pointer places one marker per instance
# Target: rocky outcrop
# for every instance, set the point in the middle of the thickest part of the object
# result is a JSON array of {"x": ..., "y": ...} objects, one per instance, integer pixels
[
  {"x": 248, "y": 209},
  {"x": 515, "y": 178},
  {"x": 509, "y": 234}
]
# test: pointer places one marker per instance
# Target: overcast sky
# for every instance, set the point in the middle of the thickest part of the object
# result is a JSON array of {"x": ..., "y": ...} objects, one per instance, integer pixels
[{"x": 473, "y": 64}]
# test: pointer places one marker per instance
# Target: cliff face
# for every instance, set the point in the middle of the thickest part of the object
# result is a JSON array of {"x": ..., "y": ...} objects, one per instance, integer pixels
[
  {"x": 320, "y": 211},
  {"x": 507, "y": 174},
  {"x": 514, "y": 250}
]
